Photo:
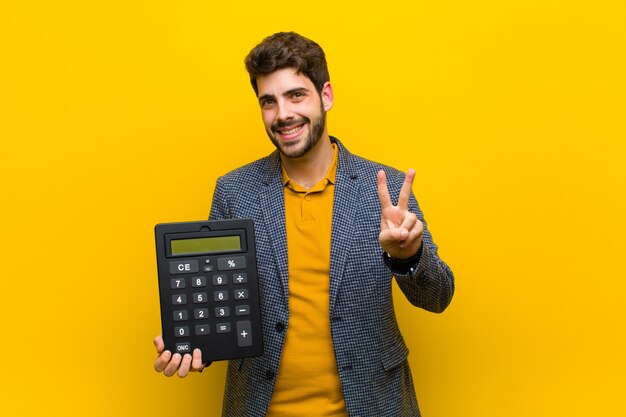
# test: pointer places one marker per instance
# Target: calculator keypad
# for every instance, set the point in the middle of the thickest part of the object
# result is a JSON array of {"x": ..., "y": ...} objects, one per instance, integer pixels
[
  {"x": 223, "y": 299},
  {"x": 209, "y": 293}
]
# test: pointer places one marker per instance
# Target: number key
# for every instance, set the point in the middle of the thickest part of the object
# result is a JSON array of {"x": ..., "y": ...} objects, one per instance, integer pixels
[{"x": 198, "y": 282}]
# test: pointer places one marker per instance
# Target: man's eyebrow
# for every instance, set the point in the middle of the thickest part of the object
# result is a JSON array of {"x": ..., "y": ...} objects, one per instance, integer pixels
[
  {"x": 296, "y": 90},
  {"x": 285, "y": 94}
]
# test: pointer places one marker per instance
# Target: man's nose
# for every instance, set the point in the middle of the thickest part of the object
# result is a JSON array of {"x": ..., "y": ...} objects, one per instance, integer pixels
[{"x": 284, "y": 112}]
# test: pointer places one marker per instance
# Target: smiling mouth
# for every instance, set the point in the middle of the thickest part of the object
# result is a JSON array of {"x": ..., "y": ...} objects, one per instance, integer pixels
[{"x": 291, "y": 131}]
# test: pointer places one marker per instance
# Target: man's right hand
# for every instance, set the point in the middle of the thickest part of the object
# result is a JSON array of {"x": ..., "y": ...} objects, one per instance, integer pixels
[{"x": 171, "y": 364}]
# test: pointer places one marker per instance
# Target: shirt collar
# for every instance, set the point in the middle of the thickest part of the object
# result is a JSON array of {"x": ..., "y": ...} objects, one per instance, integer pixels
[{"x": 329, "y": 178}]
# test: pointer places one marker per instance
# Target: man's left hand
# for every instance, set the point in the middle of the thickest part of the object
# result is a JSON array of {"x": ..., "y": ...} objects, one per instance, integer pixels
[{"x": 400, "y": 230}]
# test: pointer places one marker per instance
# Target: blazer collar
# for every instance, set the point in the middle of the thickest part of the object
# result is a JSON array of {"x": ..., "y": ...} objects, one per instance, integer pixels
[{"x": 345, "y": 204}]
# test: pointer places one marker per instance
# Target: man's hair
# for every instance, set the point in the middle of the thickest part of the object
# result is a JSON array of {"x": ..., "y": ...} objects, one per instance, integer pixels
[{"x": 288, "y": 50}]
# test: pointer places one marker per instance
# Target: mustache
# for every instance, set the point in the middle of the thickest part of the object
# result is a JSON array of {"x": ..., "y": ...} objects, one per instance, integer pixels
[{"x": 287, "y": 124}]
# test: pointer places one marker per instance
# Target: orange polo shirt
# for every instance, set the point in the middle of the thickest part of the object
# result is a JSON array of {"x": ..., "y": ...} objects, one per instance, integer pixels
[{"x": 308, "y": 381}]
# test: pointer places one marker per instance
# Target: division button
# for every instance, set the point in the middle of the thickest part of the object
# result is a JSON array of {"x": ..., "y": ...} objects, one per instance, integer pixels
[
  {"x": 244, "y": 333},
  {"x": 240, "y": 278}
]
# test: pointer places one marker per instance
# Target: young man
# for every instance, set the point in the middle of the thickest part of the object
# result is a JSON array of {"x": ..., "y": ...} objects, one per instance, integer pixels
[{"x": 329, "y": 239}]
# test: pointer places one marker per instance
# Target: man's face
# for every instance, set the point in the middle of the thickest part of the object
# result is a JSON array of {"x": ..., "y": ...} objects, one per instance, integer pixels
[{"x": 293, "y": 112}]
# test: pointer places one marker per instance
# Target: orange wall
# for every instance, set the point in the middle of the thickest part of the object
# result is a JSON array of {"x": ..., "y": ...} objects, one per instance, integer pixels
[{"x": 116, "y": 115}]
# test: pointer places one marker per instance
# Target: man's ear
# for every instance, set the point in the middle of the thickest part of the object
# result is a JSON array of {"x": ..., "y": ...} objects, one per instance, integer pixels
[{"x": 327, "y": 96}]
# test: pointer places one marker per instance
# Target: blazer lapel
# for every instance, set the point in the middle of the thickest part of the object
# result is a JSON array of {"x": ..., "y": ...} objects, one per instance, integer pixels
[
  {"x": 273, "y": 206},
  {"x": 344, "y": 212}
]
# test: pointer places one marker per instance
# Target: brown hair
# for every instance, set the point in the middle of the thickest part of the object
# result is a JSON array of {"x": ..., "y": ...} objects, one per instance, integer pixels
[{"x": 288, "y": 50}]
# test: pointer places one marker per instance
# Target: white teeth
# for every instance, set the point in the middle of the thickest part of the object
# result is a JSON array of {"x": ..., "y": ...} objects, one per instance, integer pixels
[{"x": 291, "y": 131}]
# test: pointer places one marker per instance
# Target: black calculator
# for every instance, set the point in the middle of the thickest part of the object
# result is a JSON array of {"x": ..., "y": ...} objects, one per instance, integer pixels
[{"x": 208, "y": 288}]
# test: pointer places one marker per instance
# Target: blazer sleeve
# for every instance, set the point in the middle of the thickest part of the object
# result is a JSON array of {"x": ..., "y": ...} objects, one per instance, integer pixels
[
  {"x": 219, "y": 207},
  {"x": 430, "y": 283}
]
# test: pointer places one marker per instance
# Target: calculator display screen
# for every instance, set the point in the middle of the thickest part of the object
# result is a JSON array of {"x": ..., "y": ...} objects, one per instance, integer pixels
[{"x": 206, "y": 245}]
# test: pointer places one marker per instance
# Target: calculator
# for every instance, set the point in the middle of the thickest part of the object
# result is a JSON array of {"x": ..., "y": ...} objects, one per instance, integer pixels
[{"x": 208, "y": 288}]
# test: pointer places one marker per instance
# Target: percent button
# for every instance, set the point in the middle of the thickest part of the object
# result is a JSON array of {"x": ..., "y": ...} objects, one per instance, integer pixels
[{"x": 235, "y": 262}]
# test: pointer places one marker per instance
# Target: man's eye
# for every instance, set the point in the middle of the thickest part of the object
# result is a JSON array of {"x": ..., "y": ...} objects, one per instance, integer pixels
[{"x": 266, "y": 103}]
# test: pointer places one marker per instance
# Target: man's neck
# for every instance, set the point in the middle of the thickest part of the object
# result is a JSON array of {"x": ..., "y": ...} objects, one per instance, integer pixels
[{"x": 309, "y": 169}]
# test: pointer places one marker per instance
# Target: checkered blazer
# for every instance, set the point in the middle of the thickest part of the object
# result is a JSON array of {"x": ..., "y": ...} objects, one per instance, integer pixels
[{"x": 370, "y": 352}]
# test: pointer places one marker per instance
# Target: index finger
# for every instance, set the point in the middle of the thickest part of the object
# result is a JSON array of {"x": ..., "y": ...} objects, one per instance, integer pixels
[
  {"x": 405, "y": 192},
  {"x": 383, "y": 190},
  {"x": 158, "y": 343}
]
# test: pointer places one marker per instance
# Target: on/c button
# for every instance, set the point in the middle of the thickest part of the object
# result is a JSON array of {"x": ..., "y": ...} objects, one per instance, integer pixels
[{"x": 183, "y": 347}]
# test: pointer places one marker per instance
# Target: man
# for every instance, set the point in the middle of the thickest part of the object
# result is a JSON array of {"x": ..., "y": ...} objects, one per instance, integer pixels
[{"x": 329, "y": 239}]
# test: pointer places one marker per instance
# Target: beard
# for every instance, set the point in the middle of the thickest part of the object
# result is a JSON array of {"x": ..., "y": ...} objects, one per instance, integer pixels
[{"x": 298, "y": 149}]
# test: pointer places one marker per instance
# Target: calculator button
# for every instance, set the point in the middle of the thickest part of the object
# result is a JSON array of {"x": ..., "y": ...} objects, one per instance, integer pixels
[
  {"x": 244, "y": 333},
  {"x": 177, "y": 283},
  {"x": 198, "y": 282},
  {"x": 242, "y": 310},
  {"x": 200, "y": 297},
  {"x": 240, "y": 278},
  {"x": 180, "y": 315},
  {"x": 234, "y": 262},
  {"x": 178, "y": 299},
  {"x": 181, "y": 331},
  {"x": 241, "y": 294},
  {"x": 220, "y": 295},
  {"x": 201, "y": 313},
  {"x": 223, "y": 327},
  {"x": 183, "y": 267},
  {"x": 222, "y": 311},
  {"x": 202, "y": 329},
  {"x": 183, "y": 347},
  {"x": 220, "y": 279}
]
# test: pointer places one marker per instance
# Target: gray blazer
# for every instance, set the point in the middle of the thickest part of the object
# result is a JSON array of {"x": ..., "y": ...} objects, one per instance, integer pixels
[{"x": 370, "y": 352}]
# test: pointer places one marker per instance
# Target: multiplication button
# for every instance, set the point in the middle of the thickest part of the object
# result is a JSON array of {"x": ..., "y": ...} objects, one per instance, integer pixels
[{"x": 241, "y": 294}]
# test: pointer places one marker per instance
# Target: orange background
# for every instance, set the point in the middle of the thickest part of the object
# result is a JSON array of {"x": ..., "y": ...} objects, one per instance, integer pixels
[{"x": 117, "y": 115}]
